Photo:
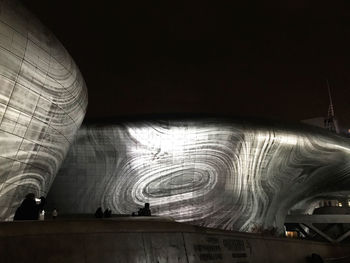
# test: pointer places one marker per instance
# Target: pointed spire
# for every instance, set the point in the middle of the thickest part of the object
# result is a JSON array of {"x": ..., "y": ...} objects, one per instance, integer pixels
[
  {"x": 330, "y": 108},
  {"x": 330, "y": 122}
]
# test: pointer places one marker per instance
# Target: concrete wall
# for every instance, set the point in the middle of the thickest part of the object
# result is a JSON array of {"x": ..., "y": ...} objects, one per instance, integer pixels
[{"x": 142, "y": 240}]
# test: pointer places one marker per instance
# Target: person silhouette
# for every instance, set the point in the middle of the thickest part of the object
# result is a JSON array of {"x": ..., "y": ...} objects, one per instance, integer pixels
[
  {"x": 107, "y": 213},
  {"x": 99, "y": 213},
  {"x": 29, "y": 209},
  {"x": 146, "y": 210}
]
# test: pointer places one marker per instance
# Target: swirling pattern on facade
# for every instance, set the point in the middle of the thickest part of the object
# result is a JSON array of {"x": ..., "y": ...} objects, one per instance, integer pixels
[
  {"x": 217, "y": 173},
  {"x": 43, "y": 100}
]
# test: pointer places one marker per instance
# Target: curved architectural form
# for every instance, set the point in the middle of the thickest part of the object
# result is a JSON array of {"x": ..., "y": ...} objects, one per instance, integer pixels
[
  {"x": 43, "y": 100},
  {"x": 228, "y": 174}
]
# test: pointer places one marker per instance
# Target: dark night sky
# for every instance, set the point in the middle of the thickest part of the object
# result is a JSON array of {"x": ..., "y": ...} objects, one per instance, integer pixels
[{"x": 141, "y": 57}]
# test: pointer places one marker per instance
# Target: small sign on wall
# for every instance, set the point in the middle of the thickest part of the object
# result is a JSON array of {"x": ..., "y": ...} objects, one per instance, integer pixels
[{"x": 217, "y": 249}]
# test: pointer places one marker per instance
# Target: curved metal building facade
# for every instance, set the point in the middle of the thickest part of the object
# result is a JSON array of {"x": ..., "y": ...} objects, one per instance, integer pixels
[
  {"x": 43, "y": 100},
  {"x": 229, "y": 174}
]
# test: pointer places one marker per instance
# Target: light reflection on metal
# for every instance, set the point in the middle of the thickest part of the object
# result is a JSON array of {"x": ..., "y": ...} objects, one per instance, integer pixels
[
  {"x": 43, "y": 100},
  {"x": 216, "y": 173}
]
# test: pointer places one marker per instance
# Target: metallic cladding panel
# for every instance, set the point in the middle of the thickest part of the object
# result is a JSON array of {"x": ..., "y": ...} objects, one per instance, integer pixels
[
  {"x": 226, "y": 174},
  {"x": 43, "y": 100}
]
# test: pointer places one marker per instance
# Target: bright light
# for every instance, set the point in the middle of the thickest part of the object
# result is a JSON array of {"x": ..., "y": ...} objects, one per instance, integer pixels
[
  {"x": 174, "y": 141},
  {"x": 292, "y": 234}
]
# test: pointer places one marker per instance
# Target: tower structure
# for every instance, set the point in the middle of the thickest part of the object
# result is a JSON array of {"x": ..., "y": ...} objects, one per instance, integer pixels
[{"x": 330, "y": 122}]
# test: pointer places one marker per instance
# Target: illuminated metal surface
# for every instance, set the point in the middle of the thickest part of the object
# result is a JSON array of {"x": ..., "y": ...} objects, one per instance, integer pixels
[
  {"x": 43, "y": 100},
  {"x": 216, "y": 173}
]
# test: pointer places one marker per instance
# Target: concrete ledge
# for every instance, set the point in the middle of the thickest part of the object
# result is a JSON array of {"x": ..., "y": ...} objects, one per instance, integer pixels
[{"x": 147, "y": 240}]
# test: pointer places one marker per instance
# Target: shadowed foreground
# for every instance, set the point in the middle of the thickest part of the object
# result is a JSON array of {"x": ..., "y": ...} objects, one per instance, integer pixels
[{"x": 141, "y": 239}]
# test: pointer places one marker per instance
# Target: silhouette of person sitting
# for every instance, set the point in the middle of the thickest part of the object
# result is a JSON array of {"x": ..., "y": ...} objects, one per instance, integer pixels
[
  {"x": 107, "y": 213},
  {"x": 99, "y": 213},
  {"x": 29, "y": 209},
  {"x": 144, "y": 211}
]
